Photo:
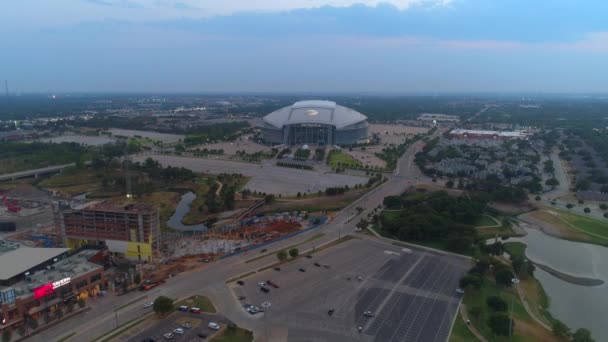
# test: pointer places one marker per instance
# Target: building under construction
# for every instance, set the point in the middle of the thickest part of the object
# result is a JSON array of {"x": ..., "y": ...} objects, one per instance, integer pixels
[{"x": 128, "y": 230}]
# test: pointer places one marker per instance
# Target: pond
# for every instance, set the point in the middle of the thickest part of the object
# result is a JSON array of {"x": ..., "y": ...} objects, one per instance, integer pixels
[
  {"x": 183, "y": 207},
  {"x": 576, "y": 305}
]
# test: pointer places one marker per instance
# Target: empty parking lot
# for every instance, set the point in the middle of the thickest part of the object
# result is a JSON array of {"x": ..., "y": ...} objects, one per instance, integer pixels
[{"x": 410, "y": 293}]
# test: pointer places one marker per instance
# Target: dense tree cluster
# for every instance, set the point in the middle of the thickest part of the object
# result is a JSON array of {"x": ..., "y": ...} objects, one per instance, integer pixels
[{"x": 434, "y": 217}]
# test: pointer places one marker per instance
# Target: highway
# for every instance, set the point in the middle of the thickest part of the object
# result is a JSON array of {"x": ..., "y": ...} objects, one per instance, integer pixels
[
  {"x": 210, "y": 280},
  {"x": 34, "y": 172}
]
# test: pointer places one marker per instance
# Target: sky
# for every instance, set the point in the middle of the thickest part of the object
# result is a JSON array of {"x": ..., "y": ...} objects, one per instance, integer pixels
[{"x": 313, "y": 46}]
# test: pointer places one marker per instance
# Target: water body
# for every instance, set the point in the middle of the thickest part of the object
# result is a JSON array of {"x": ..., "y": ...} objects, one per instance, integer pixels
[
  {"x": 183, "y": 207},
  {"x": 576, "y": 305}
]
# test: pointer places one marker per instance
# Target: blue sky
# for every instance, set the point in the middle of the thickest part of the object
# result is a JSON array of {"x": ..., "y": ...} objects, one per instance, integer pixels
[{"x": 395, "y": 46}]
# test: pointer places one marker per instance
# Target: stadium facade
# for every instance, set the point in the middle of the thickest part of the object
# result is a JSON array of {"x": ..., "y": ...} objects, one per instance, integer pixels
[{"x": 314, "y": 122}]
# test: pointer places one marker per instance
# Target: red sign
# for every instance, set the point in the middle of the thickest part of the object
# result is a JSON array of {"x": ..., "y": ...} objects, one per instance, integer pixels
[{"x": 43, "y": 290}]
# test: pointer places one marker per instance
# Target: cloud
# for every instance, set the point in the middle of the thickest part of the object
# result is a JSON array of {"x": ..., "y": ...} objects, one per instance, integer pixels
[{"x": 117, "y": 3}]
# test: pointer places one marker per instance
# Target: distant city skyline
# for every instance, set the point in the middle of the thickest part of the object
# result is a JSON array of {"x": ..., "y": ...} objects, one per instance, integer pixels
[{"x": 312, "y": 46}]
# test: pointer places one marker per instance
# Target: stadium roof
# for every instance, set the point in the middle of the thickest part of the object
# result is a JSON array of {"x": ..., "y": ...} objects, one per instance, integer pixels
[
  {"x": 316, "y": 111},
  {"x": 22, "y": 259}
]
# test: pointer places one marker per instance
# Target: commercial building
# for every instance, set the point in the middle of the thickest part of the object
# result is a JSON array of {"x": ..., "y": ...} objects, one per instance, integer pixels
[
  {"x": 127, "y": 230},
  {"x": 36, "y": 282},
  {"x": 315, "y": 122},
  {"x": 483, "y": 134}
]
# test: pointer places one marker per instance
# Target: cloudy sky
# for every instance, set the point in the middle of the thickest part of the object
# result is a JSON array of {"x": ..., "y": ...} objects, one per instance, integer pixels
[{"x": 392, "y": 46}]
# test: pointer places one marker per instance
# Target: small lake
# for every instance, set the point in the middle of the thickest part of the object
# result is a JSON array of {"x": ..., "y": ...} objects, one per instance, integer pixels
[
  {"x": 183, "y": 207},
  {"x": 577, "y": 306}
]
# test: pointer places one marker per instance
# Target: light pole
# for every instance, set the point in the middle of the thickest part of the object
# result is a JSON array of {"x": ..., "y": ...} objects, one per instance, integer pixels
[{"x": 266, "y": 306}]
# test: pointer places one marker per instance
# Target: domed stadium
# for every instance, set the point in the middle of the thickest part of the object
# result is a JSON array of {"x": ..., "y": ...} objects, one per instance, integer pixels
[{"x": 314, "y": 122}]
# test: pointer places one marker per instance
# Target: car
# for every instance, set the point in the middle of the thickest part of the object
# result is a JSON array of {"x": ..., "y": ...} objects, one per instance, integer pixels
[
  {"x": 102, "y": 293},
  {"x": 242, "y": 297},
  {"x": 277, "y": 268},
  {"x": 201, "y": 335},
  {"x": 247, "y": 305},
  {"x": 317, "y": 264},
  {"x": 309, "y": 256},
  {"x": 515, "y": 281},
  {"x": 207, "y": 260},
  {"x": 148, "y": 304},
  {"x": 213, "y": 325},
  {"x": 168, "y": 336},
  {"x": 359, "y": 278},
  {"x": 326, "y": 265},
  {"x": 263, "y": 250},
  {"x": 330, "y": 312},
  {"x": 262, "y": 284},
  {"x": 195, "y": 310},
  {"x": 179, "y": 331},
  {"x": 302, "y": 270},
  {"x": 265, "y": 289},
  {"x": 459, "y": 290},
  {"x": 187, "y": 325},
  {"x": 273, "y": 284},
  {"x": 240, "y": 282},
  {"x": 149, "y": 339},
  {"x": 368, "y": 314},
  {"x": 183, "y": 308}
]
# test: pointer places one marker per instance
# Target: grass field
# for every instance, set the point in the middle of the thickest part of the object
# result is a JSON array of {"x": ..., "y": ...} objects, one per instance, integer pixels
[
  {"x": 198, "y": 301},
  {"x": 339, "y": 158},
  {"x": 485, "y": 221},
  {"x": 525, "y": 328},
  {"x": 575, "y": 227},
  {"x": 515, "y": 248},
  {"x": 461, "y": 333},
  {"x": 591, "y": 226},
  {"x": 234, "y": 335}
]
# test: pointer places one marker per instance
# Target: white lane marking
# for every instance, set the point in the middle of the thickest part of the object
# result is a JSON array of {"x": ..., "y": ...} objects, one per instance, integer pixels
[{"x": 391, "y": 252}]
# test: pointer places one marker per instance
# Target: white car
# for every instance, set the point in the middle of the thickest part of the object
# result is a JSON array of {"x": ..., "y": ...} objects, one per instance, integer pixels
[
  {"x": 262, "y": 284},
  {"x": 187, "y": 325},
  {"x": 459, "y": 290},
  {"x": 148, "y": 304},
  {"x": 168, "y": 336},
  {"x": 179, "y": 331},
  {"x": 214, "y": 326},
  {"x": 368, "y": 314},
  {"x": 515, "y": 281}
]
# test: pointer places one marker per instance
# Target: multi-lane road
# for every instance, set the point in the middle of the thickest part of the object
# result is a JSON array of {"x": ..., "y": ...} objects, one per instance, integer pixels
[{"x": 210, "y": 280}]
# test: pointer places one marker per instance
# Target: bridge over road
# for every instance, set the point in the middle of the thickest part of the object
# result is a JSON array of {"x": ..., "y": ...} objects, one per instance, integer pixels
[{"x": 34, "y": 172}]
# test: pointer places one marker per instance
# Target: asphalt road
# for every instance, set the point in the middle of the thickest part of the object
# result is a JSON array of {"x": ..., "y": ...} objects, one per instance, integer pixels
[{"x": 210, "y": 281}]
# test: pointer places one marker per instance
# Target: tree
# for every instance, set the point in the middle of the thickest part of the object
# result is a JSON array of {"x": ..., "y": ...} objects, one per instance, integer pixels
[
  {"x": 569, "y": 205},
  {"x": 81, "y": 303},
  {"x": 449, "y": 184},
  {"x": 552, "y": 182},
  {"x": 59, "y": 313},
  {"x": 33, "y": 323},
  {"x": 603, "y": 206},
  {"x": 476, "y": 312},
  {"x": 294, "y": 252},
  {"x": 496, "y": 303},
  {"x": 582, "y": 335},
  {"x": 21, "y": 330},
  {"x": 587, "y": 210},
  {"x": 503, "y": 277},
  {"x": 299, "y": 194},
  {"x": 70, "y": 306},
  {"x": 560, "y": 329},
  {"x": 471, "y": 280},
  {"x": 6, "y": 336},
  {"x": 137, "y": 278},
  {"x": 537, "y": 198},
  {"x": 163, "y": 305},
  {"x": 268, "y": 199},
  {"x": 281, "y": 255},
  {"x": 501, "y": 324}
]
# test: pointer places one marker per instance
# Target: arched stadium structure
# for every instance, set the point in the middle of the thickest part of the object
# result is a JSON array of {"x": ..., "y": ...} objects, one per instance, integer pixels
[{"x": 314, "y": 122}]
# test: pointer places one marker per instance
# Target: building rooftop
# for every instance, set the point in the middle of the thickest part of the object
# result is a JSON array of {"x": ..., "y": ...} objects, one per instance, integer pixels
[
  {"x": 314, "y": 112},
  {"x": 133, "y": 208},
  {"x": 70, "y": 267},
  {"x": 19, "y": 260}
]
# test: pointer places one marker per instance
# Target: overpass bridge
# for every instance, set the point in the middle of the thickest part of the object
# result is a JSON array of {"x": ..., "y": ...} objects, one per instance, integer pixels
[{"x": 34, "y": 172}]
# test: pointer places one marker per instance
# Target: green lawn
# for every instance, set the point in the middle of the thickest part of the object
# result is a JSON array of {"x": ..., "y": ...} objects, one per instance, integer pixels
[
  {"x": 341, "y": 158},
  {"x": 204, "y": 303},
  {"x": 485, "y": 221},
  {"x": 461, "y": 333},
  {"x": 234, "y": 335},
  {"x": 595, "y": 227},
  {"x": 515, "y": 248}
]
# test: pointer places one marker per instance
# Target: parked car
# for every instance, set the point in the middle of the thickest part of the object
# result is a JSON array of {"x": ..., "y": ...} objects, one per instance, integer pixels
[
  {"x": 240, "y": 282},
  {"x": 317, "y": 264},
  {"x": 368, "y": 314},
  {"x": 302, "y": 270},
  {"x": 459, "y": 290},
  {"x": 326, "y": 265},
  {"x": 168, "y": 336},
  {"x": 214, "y": 326},
  {"x": 330, "y": 312},
  {"x": 242, "y": 297},
  {"x": 262, "y": 284},
  {"x": 183, "y": 308},
  {"x": 309, "y": 256},
  {"x": 187, "y": 325},
  {"x": 179, "y": 331},
  {"x": 201, "y": 335},
  {"x": 265, "y": 289},
  {"x": 273, "y": 284},
  {"x": 148, "y": 304},
  {"x": 195, "y": 310},
  {"x": 277, "y": 268}
]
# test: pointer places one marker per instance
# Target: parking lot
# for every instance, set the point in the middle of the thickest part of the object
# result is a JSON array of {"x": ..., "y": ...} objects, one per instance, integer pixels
[
  {"x": 168, "y": 324},
  {"x": 409, "y": 294}
]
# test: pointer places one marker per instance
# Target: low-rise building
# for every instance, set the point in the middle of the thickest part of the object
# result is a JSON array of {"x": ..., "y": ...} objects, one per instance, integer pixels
[{"x": 35, "y": 282}]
